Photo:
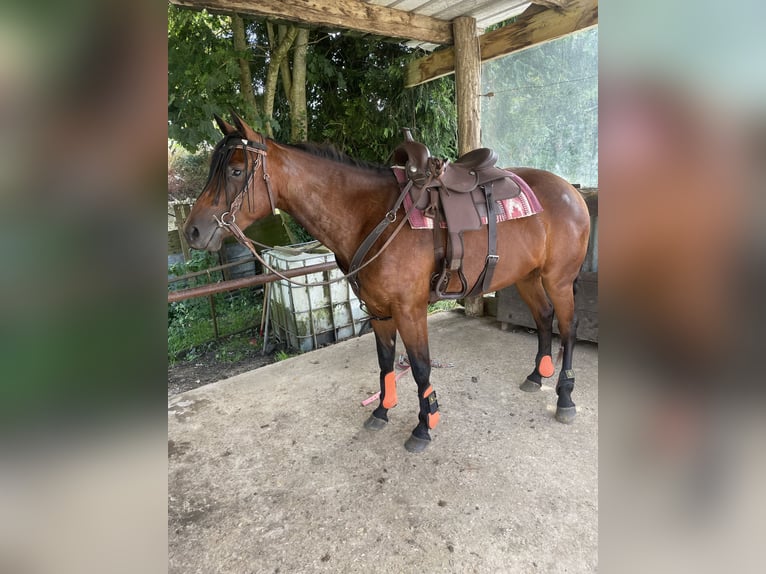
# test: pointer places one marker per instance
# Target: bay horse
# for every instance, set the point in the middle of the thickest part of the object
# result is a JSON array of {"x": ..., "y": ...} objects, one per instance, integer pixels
[{"x": 340, "y": 201}]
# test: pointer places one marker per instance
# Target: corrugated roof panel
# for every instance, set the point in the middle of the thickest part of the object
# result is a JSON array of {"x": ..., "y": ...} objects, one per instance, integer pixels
[{"x": 486, "y": 12}]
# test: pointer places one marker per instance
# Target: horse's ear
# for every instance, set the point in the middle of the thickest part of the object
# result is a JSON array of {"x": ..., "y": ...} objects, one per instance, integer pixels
[
  {"x": 225, "y": 127},
  {"x": 243, "y": 128}
]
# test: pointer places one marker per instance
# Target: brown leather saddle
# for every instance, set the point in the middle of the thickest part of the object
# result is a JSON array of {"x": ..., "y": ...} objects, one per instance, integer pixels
[{"x": 463, "y": 194}]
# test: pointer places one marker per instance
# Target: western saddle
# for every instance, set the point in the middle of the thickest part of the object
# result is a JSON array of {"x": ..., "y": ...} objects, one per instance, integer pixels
[{"x": 462, "y": 194}]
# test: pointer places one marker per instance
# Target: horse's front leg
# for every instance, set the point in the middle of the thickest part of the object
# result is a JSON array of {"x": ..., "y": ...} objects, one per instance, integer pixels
[
  {"x": 385, "y": 340},
  {"x": 413, "y": 328}
]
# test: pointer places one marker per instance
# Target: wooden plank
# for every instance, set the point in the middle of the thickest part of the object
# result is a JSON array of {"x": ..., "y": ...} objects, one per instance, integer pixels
[
  {"x": 590, "y": 195},
  {"x": 586, "y": 307},
  {"x": 344, "y": 14},
  {"x": 539, "y": 28},
  {"x": 535, "y": 26},
  {"x": 182, "y": 211},
  {"x": 174, "y": 242}
]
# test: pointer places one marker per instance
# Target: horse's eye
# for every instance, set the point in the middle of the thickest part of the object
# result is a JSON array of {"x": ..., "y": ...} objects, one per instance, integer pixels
[{"x": 236, "y": 172}]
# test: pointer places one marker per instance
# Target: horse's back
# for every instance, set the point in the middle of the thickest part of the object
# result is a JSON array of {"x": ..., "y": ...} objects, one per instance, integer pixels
[
  {"x": 557, "y": 196},
  {"x": 565, "y": 212}
]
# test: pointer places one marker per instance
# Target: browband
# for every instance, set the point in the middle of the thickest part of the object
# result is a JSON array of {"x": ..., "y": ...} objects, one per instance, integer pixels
[{"x": 249, "y": 144}]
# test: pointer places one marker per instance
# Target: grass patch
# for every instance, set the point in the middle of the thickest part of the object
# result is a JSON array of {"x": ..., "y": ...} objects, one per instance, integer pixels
[
  {"x": 444, "y": 305},
  {"x": 191, "y": 332},
  {"x": 225, "y": 350},
  {"x": 235, "y": 348},
  {"x": 190, "y": 323},
  {"x": 281, "y": 356}
]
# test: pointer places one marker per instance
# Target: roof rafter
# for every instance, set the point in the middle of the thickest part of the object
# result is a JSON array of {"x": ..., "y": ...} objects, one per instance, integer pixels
[
  {"x": 535, "y": 26},
  {"x": 346, "y": 14}
]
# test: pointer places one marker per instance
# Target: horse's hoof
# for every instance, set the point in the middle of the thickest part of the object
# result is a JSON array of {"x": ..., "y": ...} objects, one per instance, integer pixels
[
  {"x": 374, "y": 423},
  {"x": 415, "y": 444},
  {"x": 565, "y": 415},
  {"x": 530, "y": 386}
]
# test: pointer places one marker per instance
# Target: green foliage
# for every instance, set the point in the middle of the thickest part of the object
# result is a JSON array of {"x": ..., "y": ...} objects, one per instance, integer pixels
[
  {"x": 281, "y": 356},
  {"x": 359, "y": 103},
  {"x": 190, "y": 323},
  {"x": 355, "y": 89},
  {"x": 233, "y": 349},
  {"x": 187, "y": 172},
  {"x": 203, "y": 76},
  {"x": 433, "y": 115},
  {"x": 198, "y": 261},
  {"x": 445, "y": 305},
  {"x": 297, "y": 232}
]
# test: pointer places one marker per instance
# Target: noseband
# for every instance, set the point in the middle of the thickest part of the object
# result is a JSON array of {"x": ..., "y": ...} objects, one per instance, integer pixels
[{"x": 259, "y": 149}]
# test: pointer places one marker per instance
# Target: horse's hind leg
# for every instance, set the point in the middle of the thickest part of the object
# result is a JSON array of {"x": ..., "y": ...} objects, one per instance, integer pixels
[
  {"x": 532, "y": 293},
  {"x": 385, "y": 340},
  {"x": 562, "y": 296}
]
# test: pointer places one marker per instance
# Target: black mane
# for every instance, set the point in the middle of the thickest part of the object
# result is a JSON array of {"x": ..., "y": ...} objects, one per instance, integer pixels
[{"x": 329, "y": 151}]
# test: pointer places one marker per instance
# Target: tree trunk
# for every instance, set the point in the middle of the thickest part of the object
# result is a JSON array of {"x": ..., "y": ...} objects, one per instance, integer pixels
[
  {"x": 278, "y": 52},
  {"x": 284, "y": 69},
  {"x": 245, "y": 77},
  {"x": 298, "y": 112}
]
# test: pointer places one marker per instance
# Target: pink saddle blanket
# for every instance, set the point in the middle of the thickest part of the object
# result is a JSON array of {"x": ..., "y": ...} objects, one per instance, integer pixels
[{"x": 523, "y": 205}]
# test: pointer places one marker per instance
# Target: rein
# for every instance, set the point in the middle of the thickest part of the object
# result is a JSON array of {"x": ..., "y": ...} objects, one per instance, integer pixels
[{"x": 259, "y": 148}]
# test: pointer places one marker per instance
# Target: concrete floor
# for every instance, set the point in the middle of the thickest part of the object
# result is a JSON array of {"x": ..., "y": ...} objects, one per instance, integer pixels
[{"x": 271, "y": 470}]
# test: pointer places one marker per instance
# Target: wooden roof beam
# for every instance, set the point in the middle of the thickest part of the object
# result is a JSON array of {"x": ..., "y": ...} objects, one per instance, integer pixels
[
  {"x": 343, "y": 14},
  {"x": 535, "y": 26}
]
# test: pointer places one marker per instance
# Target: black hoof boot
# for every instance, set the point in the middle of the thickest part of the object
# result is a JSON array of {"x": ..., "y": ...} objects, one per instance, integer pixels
[
  {"x": 416, "y": 445},
  {"x": 533, "y": 383},
  {"x": 374, "y": 423}
]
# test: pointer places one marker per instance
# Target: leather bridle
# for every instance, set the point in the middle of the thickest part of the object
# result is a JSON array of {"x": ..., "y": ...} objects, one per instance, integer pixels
[{"x": 259, "y": 149}]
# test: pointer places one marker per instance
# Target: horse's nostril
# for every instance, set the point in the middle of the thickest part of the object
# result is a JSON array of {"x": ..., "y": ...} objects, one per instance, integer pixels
[{"x": 194, "y": 233}]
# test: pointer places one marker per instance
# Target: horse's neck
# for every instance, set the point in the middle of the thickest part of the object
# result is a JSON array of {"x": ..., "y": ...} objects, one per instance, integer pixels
[{"x": 336, "y": 203}]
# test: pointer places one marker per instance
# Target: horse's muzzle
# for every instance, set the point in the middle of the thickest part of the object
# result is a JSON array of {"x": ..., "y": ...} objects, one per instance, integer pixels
[{"x": 203, "y": 237}]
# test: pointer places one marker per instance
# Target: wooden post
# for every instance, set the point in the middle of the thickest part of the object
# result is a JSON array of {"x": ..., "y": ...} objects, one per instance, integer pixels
[
  {"x": 467, "y": 83},
  {"x": 182, "y": 211},
  {"x": 467, "y": 87}
]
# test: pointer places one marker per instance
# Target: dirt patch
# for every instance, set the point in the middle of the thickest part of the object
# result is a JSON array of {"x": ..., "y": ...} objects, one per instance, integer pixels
[{"x": 205, "y": 369}]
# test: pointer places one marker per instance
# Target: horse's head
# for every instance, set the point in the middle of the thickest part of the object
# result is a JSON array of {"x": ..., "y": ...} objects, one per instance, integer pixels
[{"x": 237, "y": 188}]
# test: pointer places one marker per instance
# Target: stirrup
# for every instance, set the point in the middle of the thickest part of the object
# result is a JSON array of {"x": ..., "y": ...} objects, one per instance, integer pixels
[{"x": 443, "y": 281}]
